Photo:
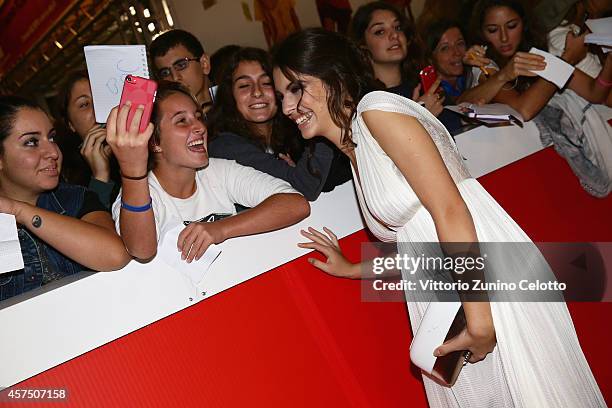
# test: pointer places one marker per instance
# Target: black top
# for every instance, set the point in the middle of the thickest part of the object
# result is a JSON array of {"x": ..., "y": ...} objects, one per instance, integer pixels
[
  {"x": 320, "y": 170},
  {"x": 91, "y": 203},
  {"x": 450, "y": 120}
]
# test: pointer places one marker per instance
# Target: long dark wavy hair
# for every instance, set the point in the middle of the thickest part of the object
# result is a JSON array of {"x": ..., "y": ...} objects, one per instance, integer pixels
[
  {"x": 532, "y": 35},
  {"x": 415, "y": 59},
  {"x": 343, "y": 67},
  {"x": 225, "y": 117}
]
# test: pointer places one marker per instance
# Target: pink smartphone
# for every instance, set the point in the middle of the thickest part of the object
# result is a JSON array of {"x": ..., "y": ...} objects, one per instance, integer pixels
[
  {"x": 139, "y": 91},
  {"x": 428, "y": 77}
]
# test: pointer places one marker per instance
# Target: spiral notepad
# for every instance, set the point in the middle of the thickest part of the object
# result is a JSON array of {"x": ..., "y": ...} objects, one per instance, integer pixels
[{"x": 108, "y": 65}]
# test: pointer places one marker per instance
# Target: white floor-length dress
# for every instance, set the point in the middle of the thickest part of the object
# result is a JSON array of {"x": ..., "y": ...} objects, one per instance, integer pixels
[{"x": 538, "y": 361}]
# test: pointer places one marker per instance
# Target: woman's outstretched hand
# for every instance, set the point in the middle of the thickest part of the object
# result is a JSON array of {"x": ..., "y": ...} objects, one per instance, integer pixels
[
  {"x": 336, "y": 264},
  {"x": 130, "y": 147},
  {"x": 479, "y": 341}
]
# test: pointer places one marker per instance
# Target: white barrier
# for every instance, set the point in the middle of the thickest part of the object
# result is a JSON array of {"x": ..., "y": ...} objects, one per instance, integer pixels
[
  {"x": 82, "y": 315},
  {"x": 487, "y": 149}
]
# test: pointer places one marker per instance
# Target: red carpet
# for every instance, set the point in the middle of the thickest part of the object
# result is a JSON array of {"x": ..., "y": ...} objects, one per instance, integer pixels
[{"x": 298, "y": 338}]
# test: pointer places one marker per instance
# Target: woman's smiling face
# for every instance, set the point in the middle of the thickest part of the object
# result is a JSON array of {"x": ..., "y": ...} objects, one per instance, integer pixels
[
  {"x": 305, "y": 102},
  {"x": 31, "y": 161},
  {"x": 253, "y": 92},
  {"x": 183, "y": 135},
  {"x": 448, "y": 54}
]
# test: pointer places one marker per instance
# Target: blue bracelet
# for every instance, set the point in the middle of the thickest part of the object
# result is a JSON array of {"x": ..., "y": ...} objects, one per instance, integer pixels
[{"x": 132, "y": 208}]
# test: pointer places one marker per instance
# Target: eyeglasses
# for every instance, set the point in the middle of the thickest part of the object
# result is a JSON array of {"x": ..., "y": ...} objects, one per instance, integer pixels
[{"x": 178, "y": 66}]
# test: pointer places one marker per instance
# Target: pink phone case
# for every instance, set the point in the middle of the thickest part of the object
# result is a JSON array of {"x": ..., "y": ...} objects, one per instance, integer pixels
[
  {"x": 428, "y": 77},
  {"x": 139, "y": 91}
]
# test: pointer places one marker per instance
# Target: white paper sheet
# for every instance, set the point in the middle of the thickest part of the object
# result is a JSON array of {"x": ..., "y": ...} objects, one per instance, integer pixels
[
  {"x": 108, "y": 65},
  {"x": 10, "y": 249},
  {"x": 557, "y": 71},
  {"x": 169, "y": 253},
  {"x": 600, "y": 25},
  {"x": 603, "y": 40}
]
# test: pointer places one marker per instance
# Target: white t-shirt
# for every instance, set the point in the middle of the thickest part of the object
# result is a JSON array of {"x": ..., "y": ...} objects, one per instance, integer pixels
[
  {"x": 590, "y": 64},
  {"x": 219, "y": 186}
]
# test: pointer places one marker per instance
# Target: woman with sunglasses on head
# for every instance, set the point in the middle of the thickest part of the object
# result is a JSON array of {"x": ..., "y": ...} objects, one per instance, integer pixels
[
  {"x": 88, "y": 160},
  {"x": 247, "y": 126},
  {"x": 185, "y": 186},
  {"x": 63, "y": 229},
  {"x": 413, "y": 188}
]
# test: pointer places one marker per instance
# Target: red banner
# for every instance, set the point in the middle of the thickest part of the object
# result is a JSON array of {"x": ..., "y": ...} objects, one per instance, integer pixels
[{"x": 22, "y": 23}]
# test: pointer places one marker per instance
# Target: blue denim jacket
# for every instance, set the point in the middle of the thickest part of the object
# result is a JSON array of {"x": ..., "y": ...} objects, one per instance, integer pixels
[{"x": 39, "y": 257}]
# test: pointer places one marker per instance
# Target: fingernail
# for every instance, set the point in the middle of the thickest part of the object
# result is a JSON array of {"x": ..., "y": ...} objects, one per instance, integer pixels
[
  {"x": 140, "y": 106},
  {"x": 437, "y": 353},
  {"x": 310, "y": 260}
]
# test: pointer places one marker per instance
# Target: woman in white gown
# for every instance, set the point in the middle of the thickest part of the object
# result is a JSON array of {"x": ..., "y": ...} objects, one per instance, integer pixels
[{"x": 413, "y": 187}]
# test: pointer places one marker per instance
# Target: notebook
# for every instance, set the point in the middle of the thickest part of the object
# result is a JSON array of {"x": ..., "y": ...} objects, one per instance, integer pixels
[
  {"x": 490, "y": 113},
  {"x": 108, "y": 65}
]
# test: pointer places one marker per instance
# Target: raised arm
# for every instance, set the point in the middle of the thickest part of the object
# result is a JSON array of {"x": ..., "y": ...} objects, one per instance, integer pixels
[
  {"x": 137, "y": 228},
  {"x": 413, "y": 151}
]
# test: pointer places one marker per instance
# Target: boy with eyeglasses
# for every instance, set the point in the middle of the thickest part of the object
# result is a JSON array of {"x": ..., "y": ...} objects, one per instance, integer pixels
[{"x": 178, "y": 56}]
